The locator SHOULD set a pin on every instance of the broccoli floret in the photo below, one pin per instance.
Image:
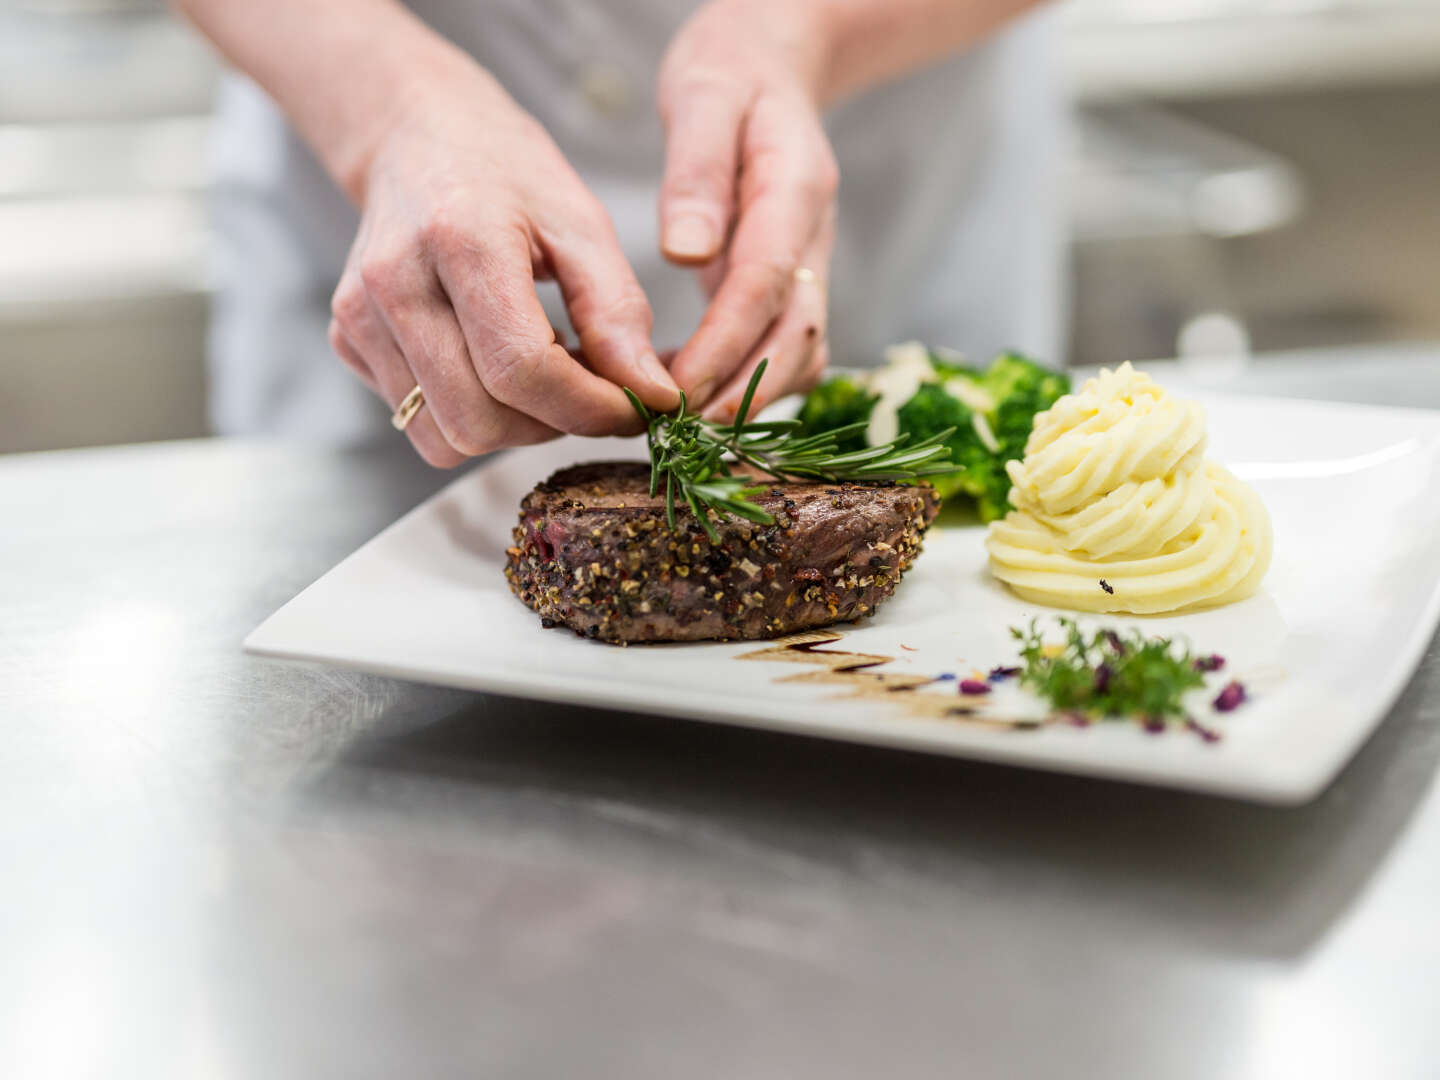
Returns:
(836, 403)
(979, 473)
(931, 410)
(1010, 373)
(1010, 391)
(1021, 388)
(947, 367)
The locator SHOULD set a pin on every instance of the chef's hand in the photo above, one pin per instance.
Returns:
(749, 196)
(466, 203)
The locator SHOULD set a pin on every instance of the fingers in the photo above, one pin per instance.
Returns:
(392, 321)
(712, 275)
(384, 371)
(815, 370)
(607, 306)
(702, 131)
(794, 348)
(787, 195)
(512, 346)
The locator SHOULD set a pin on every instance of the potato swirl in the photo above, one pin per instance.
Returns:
(1115, 486)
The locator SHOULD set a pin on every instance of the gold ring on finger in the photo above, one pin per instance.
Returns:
(408, 407)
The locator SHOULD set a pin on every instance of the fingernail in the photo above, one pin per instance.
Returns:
(701, 394)
(690, 237)
(650, 364)
(656, 370)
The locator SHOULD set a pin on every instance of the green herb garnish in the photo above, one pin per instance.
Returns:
(692, 459)
(1109, 673)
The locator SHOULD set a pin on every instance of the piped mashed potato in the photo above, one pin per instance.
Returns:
(1117, 510)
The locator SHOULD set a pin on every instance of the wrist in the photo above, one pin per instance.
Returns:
(798, 35)
(848, 35)
(419, 83)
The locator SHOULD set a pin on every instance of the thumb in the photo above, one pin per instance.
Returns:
(697, 195)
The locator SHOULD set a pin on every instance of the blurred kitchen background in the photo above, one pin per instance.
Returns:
(1246, 175)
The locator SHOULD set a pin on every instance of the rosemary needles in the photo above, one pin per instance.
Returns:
(692, 460)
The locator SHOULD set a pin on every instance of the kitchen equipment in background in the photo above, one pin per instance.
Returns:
(1153, 196)
(1344, 93)
(1185, 50)
(103, 176)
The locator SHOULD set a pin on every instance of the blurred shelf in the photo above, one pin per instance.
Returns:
(1115, 49)
(120, 157)
(65, 254)
(100, 61)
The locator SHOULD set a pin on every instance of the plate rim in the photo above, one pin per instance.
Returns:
(1245, 781)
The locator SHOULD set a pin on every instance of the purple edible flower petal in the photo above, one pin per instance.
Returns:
(1153, 725)
(1115, 643)
(945, 676)
(1207, 664)
(1102, 678)
(974, 686)
(998, 674)
(1209, 735)
(1232, 697)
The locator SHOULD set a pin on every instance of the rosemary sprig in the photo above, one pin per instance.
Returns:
(691, 459)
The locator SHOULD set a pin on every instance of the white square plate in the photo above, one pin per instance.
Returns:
(1346, 612)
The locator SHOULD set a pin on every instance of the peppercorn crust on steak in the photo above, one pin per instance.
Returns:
(592, 552)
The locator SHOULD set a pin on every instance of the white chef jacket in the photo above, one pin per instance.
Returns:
(949, 226)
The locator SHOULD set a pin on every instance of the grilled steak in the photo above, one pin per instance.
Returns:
(592, 552)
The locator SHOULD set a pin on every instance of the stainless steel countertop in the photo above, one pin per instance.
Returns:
(220, 867)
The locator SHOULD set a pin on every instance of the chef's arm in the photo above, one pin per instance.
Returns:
(342, 70)
(464, 200)
(868, 42)
(749, 194)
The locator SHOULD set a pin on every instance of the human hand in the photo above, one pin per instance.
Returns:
(749, 197)
(465, 203)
